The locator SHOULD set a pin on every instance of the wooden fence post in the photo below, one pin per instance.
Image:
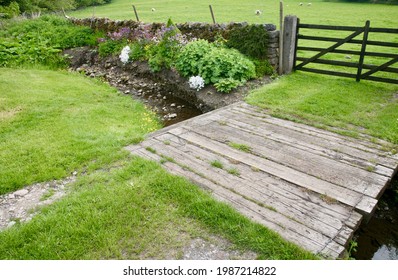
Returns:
(280, 63)
(136, 14)
(212, 14)
(289, 43)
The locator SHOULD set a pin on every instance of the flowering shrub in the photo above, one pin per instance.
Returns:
(124, 56)
(165, 46)
(196, 82)
(225, 68)
(121, 34)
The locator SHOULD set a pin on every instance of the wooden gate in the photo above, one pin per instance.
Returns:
(385, 52)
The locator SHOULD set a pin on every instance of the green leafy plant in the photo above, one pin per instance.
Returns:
(40, 41)
(191, 56)
(110, 47)
(137, 51)
(225, 68)
(164, 53)
(222, 63)
(251, 40)
(9, 11)
(263, 68)
(226, 85)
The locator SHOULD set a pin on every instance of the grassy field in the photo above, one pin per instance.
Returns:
(343, 105)
(320, 12)
(60, 123)
(121, 207)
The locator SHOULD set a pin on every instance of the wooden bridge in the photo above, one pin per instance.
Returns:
(311, 186)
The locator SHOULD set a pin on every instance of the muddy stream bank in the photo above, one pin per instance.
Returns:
(164, 92)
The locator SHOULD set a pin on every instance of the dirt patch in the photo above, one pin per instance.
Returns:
(23, 204)
(215, 248)
(6, 115)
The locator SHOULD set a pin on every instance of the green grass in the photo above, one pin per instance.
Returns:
(233, 171)
(351, 14)
(121, 207)
(365, 107)
(217, 164)
(52, 123)
(240, 147)
(135, 211)
(321, 12)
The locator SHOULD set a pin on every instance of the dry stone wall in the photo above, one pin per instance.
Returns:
(197, 30)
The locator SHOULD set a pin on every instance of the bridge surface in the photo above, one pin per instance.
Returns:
(311, 186)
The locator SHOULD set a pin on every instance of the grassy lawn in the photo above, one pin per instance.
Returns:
(121, 207)
(53, 123)
(347, 106)
(320, 12)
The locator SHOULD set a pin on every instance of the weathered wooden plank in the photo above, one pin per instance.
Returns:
(326, 169)
(295, 195)
(291, 205)
(334, 139)
(329, 248)
(374, 146)
(307, 144)
(287, 228)
(341, 194)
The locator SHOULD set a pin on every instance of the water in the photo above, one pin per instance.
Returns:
(378, 240)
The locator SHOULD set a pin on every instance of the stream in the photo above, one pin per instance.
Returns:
(378, 239)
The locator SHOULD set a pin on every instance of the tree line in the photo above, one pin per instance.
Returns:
(11, 8)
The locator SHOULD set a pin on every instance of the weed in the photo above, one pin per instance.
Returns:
(233, 171)
(167, 158)
(328, 199)
(352, 248)
(217, 164)
(255, 169)
(150, 149)
(370, 168)
(271, 208)
(240, 147)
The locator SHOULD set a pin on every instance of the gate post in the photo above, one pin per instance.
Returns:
(289, 43)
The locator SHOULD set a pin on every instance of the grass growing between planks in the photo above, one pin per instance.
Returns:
(348, 106)
(52, 123)
(135, 211)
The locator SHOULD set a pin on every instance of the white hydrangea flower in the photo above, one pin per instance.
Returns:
(196, 82)
(124, 56)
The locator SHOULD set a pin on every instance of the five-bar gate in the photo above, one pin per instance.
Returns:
(386, 54)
